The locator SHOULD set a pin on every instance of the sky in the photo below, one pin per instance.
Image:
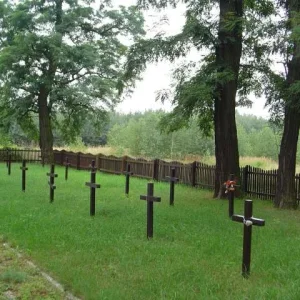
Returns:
(157, 76)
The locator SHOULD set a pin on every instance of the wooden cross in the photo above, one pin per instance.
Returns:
(230, 185)
(67, 164)
(8, 163)
(150, 199)
(127, 174)
(52, 175)
(24, 169)
(93, 186)
(172, 180)
(248, 221)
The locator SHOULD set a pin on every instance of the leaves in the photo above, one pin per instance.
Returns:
(73, 50)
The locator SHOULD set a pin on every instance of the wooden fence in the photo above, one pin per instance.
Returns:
(18, 155)
(254, 181)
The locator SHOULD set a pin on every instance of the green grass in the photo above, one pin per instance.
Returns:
(195, 253)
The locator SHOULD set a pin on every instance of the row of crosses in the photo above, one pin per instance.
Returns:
(230, 185)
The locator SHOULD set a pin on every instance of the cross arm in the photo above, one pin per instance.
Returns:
(52, 175)
(93, 185)
(24, 169)
(174, 179)
(237, 218)
(150, 198)
(257, 222)
(127, 173)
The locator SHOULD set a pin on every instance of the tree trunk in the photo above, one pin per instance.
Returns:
(46, 136)
(286, 190)
(228, 54)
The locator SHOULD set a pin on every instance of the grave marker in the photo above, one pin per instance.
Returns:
(93, 186)
(24, 169)
(172, 180)
(8, 164)
(127, 174)
(52, 175)
(230, 185)
(67, 164)
(248, 221)
(150, 199)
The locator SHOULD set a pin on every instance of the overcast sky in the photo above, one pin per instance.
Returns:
(158, 76)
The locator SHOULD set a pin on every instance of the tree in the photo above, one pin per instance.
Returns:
(210, 92)
(63, 56)
(289, 92)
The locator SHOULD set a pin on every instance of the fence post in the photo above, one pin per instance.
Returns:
(124, 163)
(245, 179)
(78, 161)
(193, 169)
(155, 169)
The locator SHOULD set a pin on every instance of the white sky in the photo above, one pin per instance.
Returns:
(158, 76)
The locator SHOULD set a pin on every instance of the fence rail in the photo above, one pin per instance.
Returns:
(254, 181)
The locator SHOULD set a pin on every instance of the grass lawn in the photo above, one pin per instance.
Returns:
(195, 253)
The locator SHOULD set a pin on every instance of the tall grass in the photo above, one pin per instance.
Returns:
(195, 252)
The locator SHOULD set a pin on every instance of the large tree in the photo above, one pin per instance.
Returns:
(66, 57)
(288, 94)
(209, 87)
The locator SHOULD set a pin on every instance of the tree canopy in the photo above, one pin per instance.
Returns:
(63, 57)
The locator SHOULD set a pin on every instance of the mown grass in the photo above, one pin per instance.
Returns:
(195, 253)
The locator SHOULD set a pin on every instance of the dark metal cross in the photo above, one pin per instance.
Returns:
(8, 164)
(230, 185)
(67, 164)
(52, 175)
(93, 186)
(150, 199)
(172, 180)
(24, 169)
(248, 221)
(127, 174)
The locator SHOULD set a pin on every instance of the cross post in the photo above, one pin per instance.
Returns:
(24, 169)
(230, 185)
(52, 186)
(8, 163)
(172, 180)
(93, 186)
(67, 164)
(150, 199)
(248, 221)
(127, 174)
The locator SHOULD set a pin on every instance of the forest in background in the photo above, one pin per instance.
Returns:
(142, 135)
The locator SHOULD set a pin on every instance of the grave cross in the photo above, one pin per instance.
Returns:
(52, 175)
(150, 199)
(67, 164)
(248, 221)
(230, 185)
(93, 186)
(24, 169)
(8, 164)
(172, 180)
(127, 174)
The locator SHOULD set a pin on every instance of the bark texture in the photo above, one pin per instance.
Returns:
(228, 54)
(286, 190)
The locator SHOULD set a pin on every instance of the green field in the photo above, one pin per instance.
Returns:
(195, 253)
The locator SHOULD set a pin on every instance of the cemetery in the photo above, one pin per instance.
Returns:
(109, 244)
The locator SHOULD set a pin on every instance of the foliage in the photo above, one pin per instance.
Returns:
(143, 135)
(71, 50)
(195, 82)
